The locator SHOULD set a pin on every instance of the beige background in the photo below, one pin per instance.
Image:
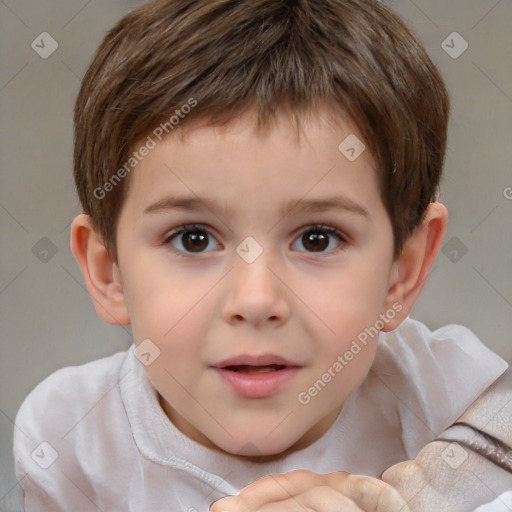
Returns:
(47, 319)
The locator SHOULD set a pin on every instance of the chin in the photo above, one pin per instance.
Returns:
(257, 448)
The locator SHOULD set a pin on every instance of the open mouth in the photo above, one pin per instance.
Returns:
(255, 369)
(256, 377)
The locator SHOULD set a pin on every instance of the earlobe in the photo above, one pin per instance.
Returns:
(411, 270)
(101, 273)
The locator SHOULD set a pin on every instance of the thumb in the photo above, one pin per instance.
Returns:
(408, 478)
(218, 505)
(401, 472)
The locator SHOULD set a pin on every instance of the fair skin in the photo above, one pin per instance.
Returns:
(305, 304)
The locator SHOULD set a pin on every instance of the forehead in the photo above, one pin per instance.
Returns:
(224, 166)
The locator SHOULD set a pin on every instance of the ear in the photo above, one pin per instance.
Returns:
(411, 270)
(100, 271)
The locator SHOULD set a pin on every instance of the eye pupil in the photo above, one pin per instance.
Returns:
(315, 241)
(195, 240)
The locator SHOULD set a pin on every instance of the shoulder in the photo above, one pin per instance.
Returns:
(450, 352)
(432, 376)
(67, 409)
(71, 390)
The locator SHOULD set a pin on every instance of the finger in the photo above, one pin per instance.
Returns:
(254, 496)
(270, 489)
(371, 494)
(318, 499)
(401, 472)
(220, 505)
(325, 499)
(408, 478)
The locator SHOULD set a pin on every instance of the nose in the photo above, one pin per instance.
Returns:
(256, 294)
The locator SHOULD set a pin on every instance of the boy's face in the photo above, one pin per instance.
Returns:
(206, 295)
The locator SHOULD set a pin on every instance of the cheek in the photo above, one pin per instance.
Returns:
(343, 312)
(177, 325)
(161, 303)
(345, 302)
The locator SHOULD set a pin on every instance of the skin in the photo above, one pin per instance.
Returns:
(304, 305)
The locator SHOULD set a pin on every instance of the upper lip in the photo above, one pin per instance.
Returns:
(261, 360)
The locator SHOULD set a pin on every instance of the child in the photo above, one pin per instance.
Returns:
(258, 180)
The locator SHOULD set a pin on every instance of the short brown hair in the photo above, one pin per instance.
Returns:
(355, 55)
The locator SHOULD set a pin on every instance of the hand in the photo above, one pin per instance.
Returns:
(448, 477)
(416, 484)
(433, 482)
(300, 491)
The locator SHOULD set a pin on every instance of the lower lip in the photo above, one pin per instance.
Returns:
(257, 385)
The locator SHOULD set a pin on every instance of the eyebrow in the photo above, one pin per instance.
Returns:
(297, 206)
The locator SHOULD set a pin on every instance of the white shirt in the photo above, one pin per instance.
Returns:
(94, 437)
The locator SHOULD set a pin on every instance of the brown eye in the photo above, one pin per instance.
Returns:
(194, 241)
(319, 238)
(315, 241)
(190, 240)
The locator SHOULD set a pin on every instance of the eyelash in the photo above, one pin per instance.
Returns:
(330, 229)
